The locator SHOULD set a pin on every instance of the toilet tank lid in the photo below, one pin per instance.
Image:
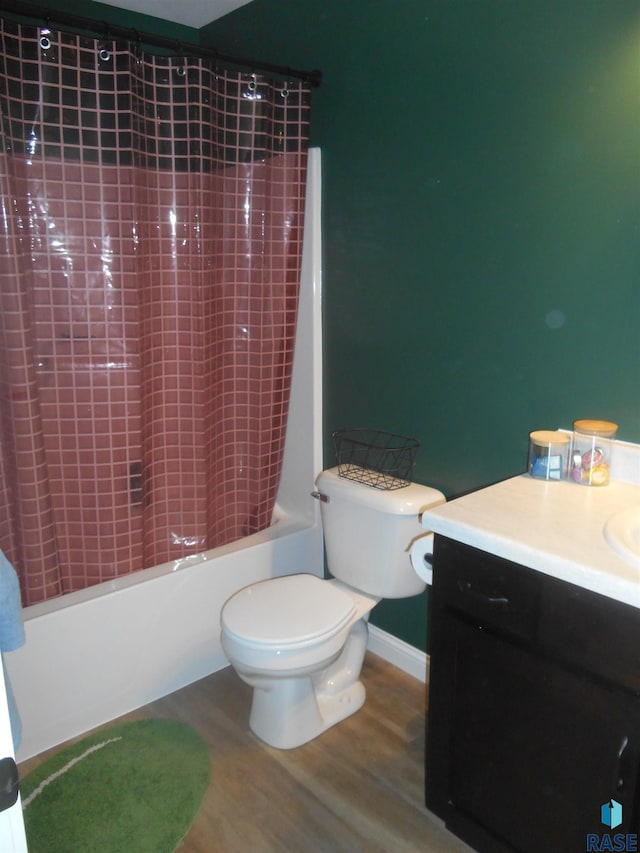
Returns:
(294, 610)
(409, 500)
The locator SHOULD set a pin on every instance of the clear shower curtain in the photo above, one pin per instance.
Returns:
(151, 241)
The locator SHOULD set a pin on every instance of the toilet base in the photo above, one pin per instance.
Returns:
(310, 715)
(292, 711)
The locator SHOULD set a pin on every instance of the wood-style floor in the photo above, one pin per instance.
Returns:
(358, 787)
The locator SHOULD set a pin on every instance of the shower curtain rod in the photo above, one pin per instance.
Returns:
(109, 31)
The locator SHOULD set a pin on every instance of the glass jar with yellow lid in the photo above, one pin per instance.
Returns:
(591, 451)
(548, 454)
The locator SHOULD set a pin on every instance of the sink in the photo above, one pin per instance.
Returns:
(622, 533)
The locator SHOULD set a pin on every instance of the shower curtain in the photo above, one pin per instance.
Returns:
(151, 241)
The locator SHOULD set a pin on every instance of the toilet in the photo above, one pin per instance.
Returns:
(299, 641)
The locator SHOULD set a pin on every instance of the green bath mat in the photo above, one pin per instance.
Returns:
(133, 788)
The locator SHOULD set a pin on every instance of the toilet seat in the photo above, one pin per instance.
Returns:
(290, 612)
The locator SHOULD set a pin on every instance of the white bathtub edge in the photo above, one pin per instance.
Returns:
(86, 665)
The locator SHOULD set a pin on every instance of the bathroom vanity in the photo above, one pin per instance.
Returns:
(534, 687)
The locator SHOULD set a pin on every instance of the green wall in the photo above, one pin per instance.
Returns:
(481, 198)
(481, 164)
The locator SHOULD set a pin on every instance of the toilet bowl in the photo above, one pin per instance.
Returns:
(299, 641)
(303, 661)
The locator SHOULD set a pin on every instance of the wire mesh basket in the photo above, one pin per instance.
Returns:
(376, 458)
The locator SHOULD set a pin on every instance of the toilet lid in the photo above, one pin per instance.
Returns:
(295, 610)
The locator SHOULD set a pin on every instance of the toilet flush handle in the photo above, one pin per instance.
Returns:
(320, 497)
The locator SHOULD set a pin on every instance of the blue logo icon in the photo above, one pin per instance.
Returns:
(611, 814)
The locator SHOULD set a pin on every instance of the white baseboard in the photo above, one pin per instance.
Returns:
(397, 652)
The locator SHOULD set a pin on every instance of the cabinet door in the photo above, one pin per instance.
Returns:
(529, 750)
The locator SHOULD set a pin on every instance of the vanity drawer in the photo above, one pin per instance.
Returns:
(591, 632)
(490, 591)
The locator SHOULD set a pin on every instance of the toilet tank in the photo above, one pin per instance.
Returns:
(368, 533)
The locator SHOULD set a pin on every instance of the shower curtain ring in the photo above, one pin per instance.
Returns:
(45, 41)
(180, 70)
(103, 51)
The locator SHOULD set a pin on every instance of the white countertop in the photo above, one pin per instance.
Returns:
(552, 527)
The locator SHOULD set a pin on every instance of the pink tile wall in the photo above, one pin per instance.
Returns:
(148, 314)
(86, 329)
(162, 362)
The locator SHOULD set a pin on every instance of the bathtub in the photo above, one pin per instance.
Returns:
(93, 655)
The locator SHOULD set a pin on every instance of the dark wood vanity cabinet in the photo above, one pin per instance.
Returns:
(534, 706)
